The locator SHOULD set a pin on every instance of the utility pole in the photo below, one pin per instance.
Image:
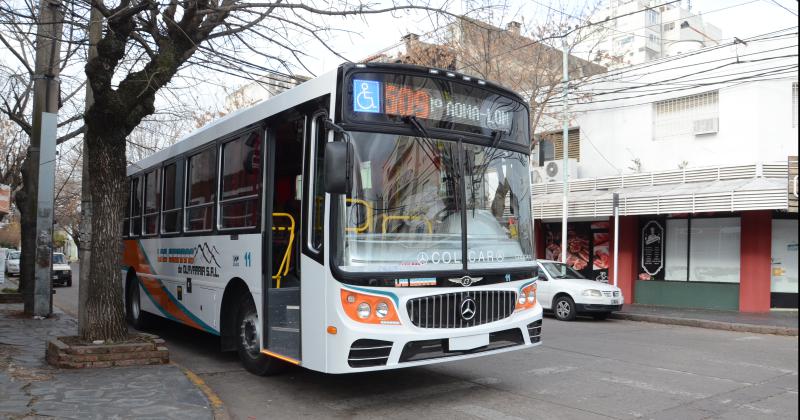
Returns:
(565, 144)
(85, 251)
(42, 151)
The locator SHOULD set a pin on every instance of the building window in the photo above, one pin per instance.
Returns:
(652, 17)
(623, 42)
(702, 250)
(241, 182)
(152, 201)
(669, 26)
(686, 117)
(794, 104)
(173, 197)
(555, 149)
(201, 190)
(783, 287)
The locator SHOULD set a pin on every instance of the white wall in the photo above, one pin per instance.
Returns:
(755, 118)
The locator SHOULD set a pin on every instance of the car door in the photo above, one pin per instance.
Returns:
(544, 288)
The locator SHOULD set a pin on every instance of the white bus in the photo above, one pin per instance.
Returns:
(375, 217)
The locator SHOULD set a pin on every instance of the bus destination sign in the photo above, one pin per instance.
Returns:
(378, 97)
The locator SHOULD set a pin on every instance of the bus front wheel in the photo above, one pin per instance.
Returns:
(249, 341)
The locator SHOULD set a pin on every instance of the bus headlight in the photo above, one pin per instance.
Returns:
(527, 297)
(369, 308)
(381, 309)
(364, 310)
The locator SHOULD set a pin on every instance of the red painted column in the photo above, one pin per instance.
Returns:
(538, 238)
(628, 254)
(756, 261)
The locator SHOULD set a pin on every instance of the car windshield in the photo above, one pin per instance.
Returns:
(13, 256)
(59, 259)
(404, 212)
(561, 271)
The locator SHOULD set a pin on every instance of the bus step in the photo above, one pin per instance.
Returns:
(286, 329)
(293, 315)
(285, 341)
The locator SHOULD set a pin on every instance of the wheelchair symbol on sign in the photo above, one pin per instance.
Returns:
(367, 94)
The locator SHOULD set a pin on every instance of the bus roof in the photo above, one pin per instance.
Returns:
(314, 88)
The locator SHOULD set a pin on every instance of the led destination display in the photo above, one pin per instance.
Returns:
(436, 103)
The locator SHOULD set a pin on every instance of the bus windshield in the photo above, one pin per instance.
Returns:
(409, 194)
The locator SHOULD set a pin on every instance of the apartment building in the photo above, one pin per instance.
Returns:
(696, 148)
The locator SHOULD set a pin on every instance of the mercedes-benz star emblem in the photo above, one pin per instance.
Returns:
(465, 281)
(468, 307)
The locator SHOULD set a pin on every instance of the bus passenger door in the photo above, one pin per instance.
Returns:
(282, 235)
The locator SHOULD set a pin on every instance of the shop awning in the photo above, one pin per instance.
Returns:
(757, 193)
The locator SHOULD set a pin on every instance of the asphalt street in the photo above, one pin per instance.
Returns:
(583, 370)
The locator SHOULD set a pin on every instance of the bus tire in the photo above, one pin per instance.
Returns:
(248, 341)
(564, 308)
(138, 318)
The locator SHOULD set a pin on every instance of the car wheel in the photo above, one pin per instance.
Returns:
(136, 316)
(564, 308)
(249, 341)
(69, 282)
(601, 316)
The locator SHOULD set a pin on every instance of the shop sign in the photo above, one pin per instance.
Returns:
(652, 261)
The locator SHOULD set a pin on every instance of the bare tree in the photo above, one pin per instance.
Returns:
(528, 60)
(144, 46)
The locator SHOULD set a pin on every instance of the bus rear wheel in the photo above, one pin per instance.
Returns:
(249, 341)
(136, 316)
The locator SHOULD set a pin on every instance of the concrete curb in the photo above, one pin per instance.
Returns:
(220, 413)
(703, 323)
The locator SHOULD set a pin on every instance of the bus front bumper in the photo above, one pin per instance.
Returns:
(363, 347)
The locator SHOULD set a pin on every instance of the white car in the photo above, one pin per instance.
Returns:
(62, 272)
(567, 294)
(12, 263)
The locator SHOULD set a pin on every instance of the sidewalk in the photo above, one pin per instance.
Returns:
(30, 388)
(780, 323)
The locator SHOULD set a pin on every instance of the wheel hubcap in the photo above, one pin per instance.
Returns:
(563, 309)
(248, 334)
(135, 302)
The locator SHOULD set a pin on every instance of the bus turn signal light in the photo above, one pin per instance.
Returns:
(332, 330)
(369, 309)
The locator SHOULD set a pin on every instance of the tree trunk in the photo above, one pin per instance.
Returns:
(105, 313)
(26, 202)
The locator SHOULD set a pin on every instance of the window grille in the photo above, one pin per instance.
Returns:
(556, 139)
(687, 116)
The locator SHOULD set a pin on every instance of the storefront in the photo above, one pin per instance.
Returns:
(745, 260)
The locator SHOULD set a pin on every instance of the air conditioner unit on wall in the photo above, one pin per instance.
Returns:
(705, 126)
(553, 171)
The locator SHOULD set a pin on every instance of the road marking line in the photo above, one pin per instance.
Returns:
(410, 394)
(484, 412)
(551, 370)
(650, 387)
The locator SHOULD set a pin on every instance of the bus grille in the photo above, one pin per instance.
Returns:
(445, 311)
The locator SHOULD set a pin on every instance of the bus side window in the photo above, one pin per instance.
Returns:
(152, 202)
(136, 206)
(126, 221)
(201, 190)
(173, 197)
(316, 203)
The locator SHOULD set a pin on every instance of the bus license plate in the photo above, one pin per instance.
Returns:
(615, 301)
(468, 343)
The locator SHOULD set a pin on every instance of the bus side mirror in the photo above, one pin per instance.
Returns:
(338, 159)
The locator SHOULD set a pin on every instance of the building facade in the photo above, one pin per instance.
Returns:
(643, 30)
(696, 149)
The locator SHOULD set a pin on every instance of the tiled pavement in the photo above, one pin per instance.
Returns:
(29, 388)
